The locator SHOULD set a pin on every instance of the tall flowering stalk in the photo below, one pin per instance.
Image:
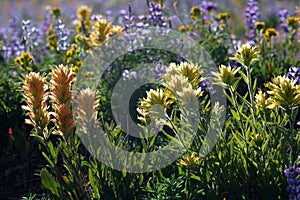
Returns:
(283, 14)
(61, 97)
(86, 110)
(252, 16)
(36, 96)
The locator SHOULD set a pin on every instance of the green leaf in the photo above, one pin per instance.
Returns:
(91, 178)
(193, 176)
(244, 77)
(48, 159)
(141, 179)
(235, 114)
(49, 182)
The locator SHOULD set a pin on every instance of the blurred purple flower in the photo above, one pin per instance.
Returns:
(154, 18)
(156, 15)
(206, 7)
(62, 36)
(159, 68)
(294, 74)
(283, 14)
(12, 45)
(292, 173)
(31, 37)
(252, 16)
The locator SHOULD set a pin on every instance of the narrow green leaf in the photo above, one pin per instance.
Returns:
(244, 77)
(235, 114)
(193, 176)
(48, 159)
(49, 182)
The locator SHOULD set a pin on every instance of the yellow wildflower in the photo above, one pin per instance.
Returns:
(283, 92)
(292, 22)
(270, 33)
(84, 13)
(226, 76)
(190, 161)
(261, 100)
(246, 55)
(36, 97)
(259, 26)
(223, 16)
(24, 61)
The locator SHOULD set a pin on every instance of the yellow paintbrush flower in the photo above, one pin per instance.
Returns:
(261, 100)
(149, 105)
(84, 13)
(293, 22)
(63, 120)
(283, 92)
(223, 17)
(36, 96)
(246, 55)
(259, 26)
(188, 70)
(190, 161)
(226, 76)
(61, 81)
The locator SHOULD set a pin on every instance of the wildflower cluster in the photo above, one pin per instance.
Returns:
(250, 138)
(25, 61)
(181, 83)
(37, 94)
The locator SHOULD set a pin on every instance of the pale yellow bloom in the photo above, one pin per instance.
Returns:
(246, 55)
(189, 160)
(226, 77)
(283, 92)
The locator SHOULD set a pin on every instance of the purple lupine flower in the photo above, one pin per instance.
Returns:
(292, 173)
(252, 16)
(294, 74)
(62, 36)
(159, 68)
(12, 45)
(156, 15)
(30, 35)
(283, 14)
(129, 22)
(235, 44)
(155, 18)
(206, 7)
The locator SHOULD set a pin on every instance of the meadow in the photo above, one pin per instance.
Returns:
(161, 99)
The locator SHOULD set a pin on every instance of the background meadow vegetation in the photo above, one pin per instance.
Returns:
(254, 44)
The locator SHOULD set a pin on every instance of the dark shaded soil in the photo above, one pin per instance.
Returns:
(19, 176)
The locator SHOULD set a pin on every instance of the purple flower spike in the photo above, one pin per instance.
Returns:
(252, 16)
(62, 36)
(159, 68)
(292, 174)
(294, 74)
(206, 7)
(283, 14)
